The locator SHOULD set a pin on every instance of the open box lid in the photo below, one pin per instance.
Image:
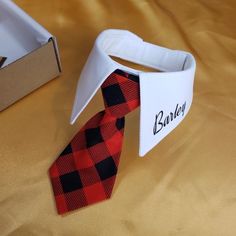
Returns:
(19, 33)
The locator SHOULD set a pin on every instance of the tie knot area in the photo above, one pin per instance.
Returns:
(121, 93)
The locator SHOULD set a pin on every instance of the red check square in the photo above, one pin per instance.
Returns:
(94, 193)
(83, 159)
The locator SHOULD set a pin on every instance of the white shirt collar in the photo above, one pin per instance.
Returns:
(128, 46)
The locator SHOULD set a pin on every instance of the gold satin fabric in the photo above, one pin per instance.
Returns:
(186, 185)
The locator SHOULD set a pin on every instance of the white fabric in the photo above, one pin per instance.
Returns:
(158, 90)
(19, 33)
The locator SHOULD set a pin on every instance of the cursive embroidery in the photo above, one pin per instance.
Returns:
(161, 123)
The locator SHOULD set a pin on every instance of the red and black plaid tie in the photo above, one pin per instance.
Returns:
(85, 171)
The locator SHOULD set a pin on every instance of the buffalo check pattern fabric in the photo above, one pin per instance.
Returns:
(85, 171)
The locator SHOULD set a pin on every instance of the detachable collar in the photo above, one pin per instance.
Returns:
(123, 44)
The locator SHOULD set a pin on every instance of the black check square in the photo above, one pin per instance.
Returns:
(113, 95)
(106, 168)
(120, 123)
(67, 150)
(71, 182)
(93, 136)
